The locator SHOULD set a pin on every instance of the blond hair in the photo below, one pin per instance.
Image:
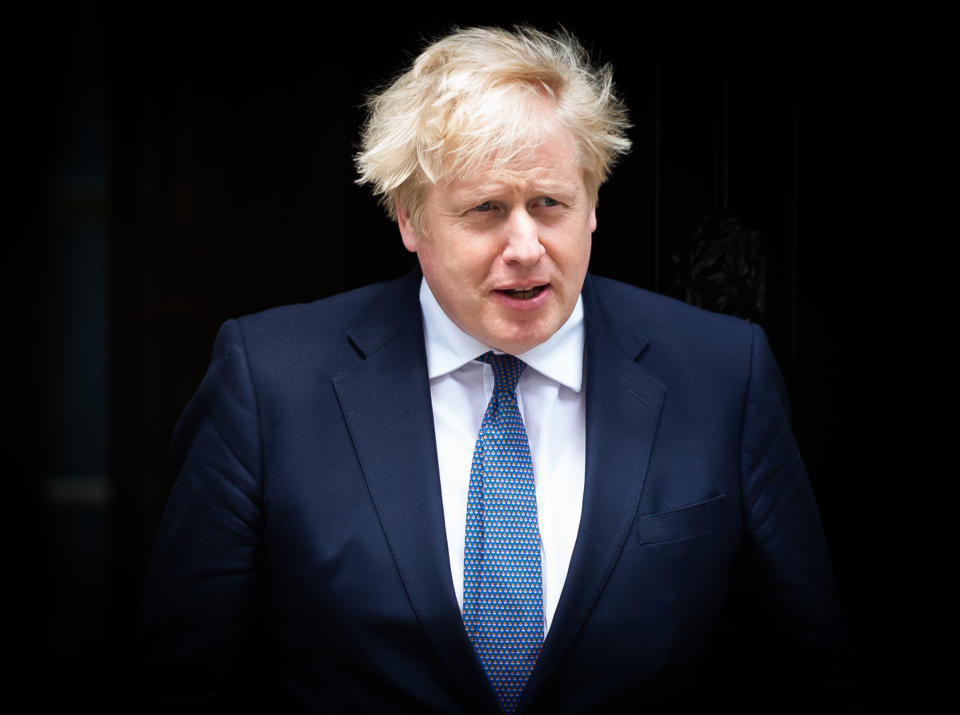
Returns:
(478, 96)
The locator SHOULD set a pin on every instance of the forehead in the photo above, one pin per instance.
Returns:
(552, 160)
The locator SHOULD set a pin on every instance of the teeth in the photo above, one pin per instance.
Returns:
(524, 294)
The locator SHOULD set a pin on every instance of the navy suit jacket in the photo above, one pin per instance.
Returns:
(303, 548)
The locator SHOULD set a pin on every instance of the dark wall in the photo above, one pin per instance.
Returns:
(194, 167)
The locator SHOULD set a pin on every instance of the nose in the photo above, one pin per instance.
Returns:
(523, 238)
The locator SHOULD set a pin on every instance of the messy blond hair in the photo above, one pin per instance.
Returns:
(483, 95)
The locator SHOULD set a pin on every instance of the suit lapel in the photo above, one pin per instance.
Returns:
(385, 400)
(623, 410)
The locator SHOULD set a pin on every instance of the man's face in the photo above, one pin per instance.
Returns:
(505, 251)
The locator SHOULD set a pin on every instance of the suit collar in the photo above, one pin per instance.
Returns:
(607, 328)
(391, 311)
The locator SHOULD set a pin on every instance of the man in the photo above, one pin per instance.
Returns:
(505, 485)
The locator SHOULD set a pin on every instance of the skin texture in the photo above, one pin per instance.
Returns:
(497, 231)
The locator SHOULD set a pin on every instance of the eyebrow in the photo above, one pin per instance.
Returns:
(493, 188)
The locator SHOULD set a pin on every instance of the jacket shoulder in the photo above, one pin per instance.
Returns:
(664, 320)
(318, 333)
(335, 312)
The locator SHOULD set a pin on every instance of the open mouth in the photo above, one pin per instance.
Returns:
(525, 294)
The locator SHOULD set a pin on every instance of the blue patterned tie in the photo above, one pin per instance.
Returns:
(502, 587)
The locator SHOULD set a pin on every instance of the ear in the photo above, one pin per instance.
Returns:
(593, 219)
(411, 237)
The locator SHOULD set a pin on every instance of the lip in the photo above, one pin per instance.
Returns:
(522, 304)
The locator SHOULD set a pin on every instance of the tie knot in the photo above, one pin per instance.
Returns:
(506, 371)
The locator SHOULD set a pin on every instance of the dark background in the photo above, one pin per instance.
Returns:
(172, 168)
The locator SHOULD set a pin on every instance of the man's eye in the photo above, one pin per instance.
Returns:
(485, 206)
(546, 201)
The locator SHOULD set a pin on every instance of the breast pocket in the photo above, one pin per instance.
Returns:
(683, 523)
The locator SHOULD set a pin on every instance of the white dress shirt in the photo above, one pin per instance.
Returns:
(551, 399)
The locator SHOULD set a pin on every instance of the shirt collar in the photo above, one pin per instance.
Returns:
(448, 348)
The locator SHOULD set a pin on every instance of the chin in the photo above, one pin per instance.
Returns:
(519, 343)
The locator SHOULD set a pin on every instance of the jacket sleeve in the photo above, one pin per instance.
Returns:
(790, 582)
(197, 624)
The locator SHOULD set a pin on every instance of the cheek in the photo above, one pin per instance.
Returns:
(571, 247)
(468, 265)
(427, 263)
(452, 278)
